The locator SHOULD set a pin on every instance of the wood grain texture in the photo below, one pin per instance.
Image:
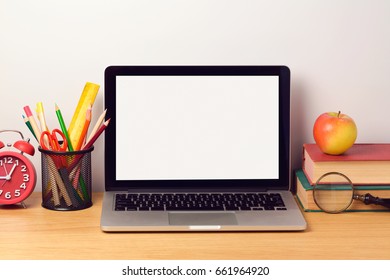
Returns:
(38, 233)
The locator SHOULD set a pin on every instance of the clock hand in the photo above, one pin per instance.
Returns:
(12, 170)
(5, 169)
(6, 177)
(4, 183)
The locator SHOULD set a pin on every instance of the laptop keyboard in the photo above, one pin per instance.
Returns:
(199, 202)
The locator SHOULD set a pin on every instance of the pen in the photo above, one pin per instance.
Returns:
(63, 127)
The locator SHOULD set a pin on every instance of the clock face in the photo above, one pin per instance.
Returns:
(17, 177)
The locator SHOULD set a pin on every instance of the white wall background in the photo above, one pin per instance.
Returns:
(338, 52)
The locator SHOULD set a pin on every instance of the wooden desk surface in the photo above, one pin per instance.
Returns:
(38, 233)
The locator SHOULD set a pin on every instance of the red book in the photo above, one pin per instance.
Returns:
(363, 164)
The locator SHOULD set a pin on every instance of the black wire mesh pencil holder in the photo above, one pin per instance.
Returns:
(66, 179)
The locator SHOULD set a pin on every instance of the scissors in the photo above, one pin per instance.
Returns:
(51, 142)
(56, 141)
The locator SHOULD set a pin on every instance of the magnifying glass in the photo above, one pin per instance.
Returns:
(334, 193)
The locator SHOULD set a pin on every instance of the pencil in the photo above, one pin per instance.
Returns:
(96, 135)
(52, 181)
(33, 123)
(89, 144)
(63, 127)
(97, 125)
(60, 183)
(79, 143)
(27, 122)
(85, 128)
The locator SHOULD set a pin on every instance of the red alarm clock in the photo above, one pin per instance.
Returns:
(17, 174)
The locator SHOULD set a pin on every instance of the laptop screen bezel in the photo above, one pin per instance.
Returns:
(282, 183)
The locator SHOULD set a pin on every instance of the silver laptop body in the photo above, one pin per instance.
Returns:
(206, 133)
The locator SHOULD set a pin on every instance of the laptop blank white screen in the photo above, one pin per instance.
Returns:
(197, 127)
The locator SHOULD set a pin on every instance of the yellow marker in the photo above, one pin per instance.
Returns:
(41, 116)
(77, 123)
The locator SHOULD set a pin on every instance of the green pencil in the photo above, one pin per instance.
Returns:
(70, 147)
(63, 128)
(27, 122)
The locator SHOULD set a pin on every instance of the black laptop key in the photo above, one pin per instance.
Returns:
(245, 208)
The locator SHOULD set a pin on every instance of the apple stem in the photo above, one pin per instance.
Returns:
(338, 115)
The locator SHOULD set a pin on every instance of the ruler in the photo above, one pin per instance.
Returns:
(76, 125)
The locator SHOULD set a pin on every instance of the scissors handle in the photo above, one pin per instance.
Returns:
(45, 140)
(61, 144)
(50, 141)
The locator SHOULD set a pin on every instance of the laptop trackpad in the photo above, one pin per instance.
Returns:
(179, 218)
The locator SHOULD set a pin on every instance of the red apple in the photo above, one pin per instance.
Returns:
(334, 133)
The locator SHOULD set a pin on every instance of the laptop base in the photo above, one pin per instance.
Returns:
(161, 221)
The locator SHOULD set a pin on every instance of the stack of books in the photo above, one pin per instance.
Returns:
(366, 165)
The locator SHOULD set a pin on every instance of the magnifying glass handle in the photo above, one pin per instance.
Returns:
(369, 199)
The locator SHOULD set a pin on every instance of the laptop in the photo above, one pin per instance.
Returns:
(198, 148)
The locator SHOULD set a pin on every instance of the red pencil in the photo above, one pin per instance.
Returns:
(97, 134)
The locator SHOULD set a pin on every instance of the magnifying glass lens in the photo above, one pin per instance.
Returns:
(333, 192)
